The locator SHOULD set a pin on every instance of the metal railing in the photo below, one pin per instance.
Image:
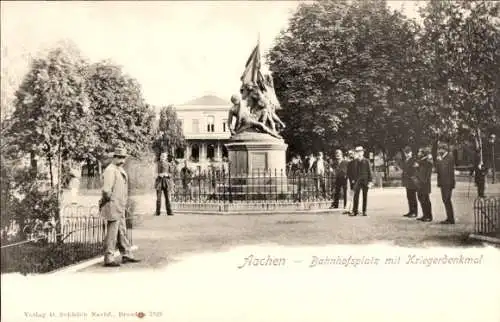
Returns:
(227, 187)
(51, 245)
(487, 216)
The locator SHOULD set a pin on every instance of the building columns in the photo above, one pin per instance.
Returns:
(218, 151)
(187, 152)
(203, 151)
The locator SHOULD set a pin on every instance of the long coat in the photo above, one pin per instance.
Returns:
(409, 171)
(446, 172)
(115, 190)
(422, 178)
(362, 172)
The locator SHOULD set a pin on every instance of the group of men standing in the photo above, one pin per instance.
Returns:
(351, 176)
(417, 172)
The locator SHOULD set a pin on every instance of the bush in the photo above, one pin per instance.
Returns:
(25, 197)
(43, 258)
(141, 174)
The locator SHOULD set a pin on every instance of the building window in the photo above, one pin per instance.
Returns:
(210, 151)
(179, 153)
(224, 126)
(195, 153)
(196, 126)
(210, 124)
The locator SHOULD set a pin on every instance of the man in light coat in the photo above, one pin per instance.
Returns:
(112, 207)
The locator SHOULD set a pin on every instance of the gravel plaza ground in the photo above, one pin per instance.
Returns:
(163, 240)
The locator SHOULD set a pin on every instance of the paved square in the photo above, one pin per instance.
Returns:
(162, 240)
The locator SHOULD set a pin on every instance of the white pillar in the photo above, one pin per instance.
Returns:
(203, 151)
(187, 152)
(218, 152)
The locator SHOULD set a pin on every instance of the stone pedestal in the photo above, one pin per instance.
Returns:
(257, 166)
(252, 153)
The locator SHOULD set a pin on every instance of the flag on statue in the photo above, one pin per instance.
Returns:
(253, 76)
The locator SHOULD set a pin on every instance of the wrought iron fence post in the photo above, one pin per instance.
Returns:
(230, 185)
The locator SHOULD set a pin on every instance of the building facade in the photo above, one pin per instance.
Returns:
(205, 128)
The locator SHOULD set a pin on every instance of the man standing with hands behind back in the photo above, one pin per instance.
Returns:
(362, 180)
(112, 207)
(446, 180)
(411, 189)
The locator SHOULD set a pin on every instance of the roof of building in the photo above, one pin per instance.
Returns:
(207, 100)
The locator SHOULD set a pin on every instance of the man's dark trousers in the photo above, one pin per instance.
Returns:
(162, 187)
(357, 188)
(340, 186)
(446, 192)
(480, 183)
(411, 195)
(425, 203)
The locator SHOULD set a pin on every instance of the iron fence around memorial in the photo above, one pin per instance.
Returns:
(227, 187)
(48, 246)
(487, 216)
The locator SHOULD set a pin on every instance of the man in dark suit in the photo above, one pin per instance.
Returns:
(422, 180)
(479, 172)
(411, 190)
(446, 180)
(350, 179)
(362, 180)
(340, 169)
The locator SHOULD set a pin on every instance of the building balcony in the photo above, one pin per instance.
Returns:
(207, 136)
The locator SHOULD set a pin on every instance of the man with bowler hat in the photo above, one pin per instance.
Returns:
(446, 180)
(362, 180)
(113, 207)
(422, 180)
(411, 189)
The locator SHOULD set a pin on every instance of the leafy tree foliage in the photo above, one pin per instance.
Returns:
(355, 72)
(169, 134)
(120, 117)
(50, 107)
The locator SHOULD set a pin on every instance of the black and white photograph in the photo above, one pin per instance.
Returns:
(323, 160)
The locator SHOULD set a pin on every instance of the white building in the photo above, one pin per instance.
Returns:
(204, 123)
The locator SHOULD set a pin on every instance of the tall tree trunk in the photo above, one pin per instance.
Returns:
(51, 173)
(59, 191)
(386, 164)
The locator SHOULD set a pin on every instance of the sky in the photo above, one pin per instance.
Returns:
(176, 50)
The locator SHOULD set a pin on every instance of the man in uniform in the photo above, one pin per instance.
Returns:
(411, 189)
(445, 169)
(113, 207)
(164, 183)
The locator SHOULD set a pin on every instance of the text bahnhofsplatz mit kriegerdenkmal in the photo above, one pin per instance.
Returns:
(355, 261)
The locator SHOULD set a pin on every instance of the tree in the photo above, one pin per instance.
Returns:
(461, 41)
(169, 134)
(120, 117)
(50, 118)
(340, 74)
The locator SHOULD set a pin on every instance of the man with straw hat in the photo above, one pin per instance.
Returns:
(112, 207)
